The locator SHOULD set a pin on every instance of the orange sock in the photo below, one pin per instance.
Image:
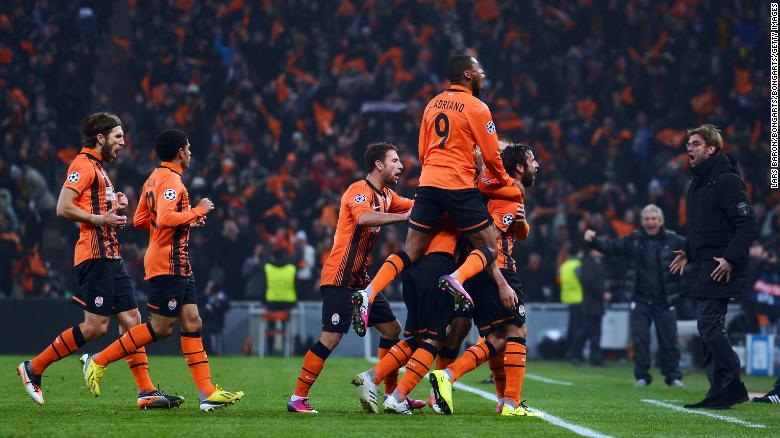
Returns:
(496, 364)
(133, 339)
(65, 344)
(475, 263)
(445, 358)
(395, 358)
(139, 366)
(313, 363)
(514, 364)
(198, 362)
(471, 359)
(418, 365)
(391, 268)
(391, 379)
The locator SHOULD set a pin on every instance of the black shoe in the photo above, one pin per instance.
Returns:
(702, 404)
(772, 396)
(732, 394)
(158, 399)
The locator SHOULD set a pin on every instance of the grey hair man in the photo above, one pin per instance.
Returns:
(653, 291)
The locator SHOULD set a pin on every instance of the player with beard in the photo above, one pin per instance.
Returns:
(164, 211)
(366, 206)
(499, 311)
(453, 122)
(105, 288)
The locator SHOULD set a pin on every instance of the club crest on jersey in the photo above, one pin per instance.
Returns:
(521, 310)
(508, 218)
(491, 127)
(98, 301)
(359, 198)
(169, 194)
(171, 304)
(335, 318)
(73, 177)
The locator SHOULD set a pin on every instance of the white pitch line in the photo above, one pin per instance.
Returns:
(552, 419)
(705, 413)
(539, 378)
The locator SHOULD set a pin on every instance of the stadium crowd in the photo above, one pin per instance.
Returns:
(280, 99)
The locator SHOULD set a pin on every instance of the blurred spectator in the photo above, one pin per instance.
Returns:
(304, 277)
(213, 306)
(572, 294)
(254, 275)
(279, 273)
(592, 277)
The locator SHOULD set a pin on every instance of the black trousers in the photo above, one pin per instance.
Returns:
(720, 361)
(582, 328)
(642, 314)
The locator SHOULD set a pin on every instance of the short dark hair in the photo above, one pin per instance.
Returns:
(377, 152)
(514, 154)
(97, 123)
(168, 143)
(457, 66)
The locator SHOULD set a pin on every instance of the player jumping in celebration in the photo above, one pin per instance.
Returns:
(498, 306)
(453, 122)
(105, 288)
(164, 210)
(366, 206)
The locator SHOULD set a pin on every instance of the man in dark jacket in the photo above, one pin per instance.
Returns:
(653, 291)
(721, 227)
(592, 277)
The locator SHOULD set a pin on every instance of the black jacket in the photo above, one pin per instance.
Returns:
(592, 278)
(720, 223)
(635, 247)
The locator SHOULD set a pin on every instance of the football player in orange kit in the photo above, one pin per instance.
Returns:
(453, 123)
(500, 317)
(164, 210)
(366, 206)
(105, 288)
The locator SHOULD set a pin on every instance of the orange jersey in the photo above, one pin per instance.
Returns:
(347, 262)
(453, 123)
(504, 212)
(445, 239)
(96, 196)
(164, 210)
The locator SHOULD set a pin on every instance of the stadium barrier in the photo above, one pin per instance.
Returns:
(35, 321)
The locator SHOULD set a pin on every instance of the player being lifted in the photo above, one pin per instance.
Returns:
(164, 210)
(105, 288)
(453, 123)
(366, 206)
(500, 316)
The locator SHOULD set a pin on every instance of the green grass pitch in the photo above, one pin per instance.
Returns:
(602, 400)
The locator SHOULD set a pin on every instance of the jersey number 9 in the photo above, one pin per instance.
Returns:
(443, 132)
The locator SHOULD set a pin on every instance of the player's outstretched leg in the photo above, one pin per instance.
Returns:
(393, 266)
(31, 371)
(476, 262)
